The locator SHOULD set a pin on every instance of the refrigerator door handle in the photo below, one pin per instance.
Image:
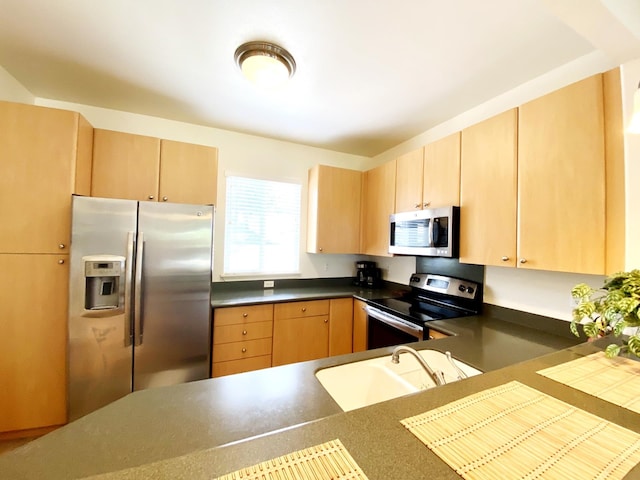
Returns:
(137, 309)
(128, 283)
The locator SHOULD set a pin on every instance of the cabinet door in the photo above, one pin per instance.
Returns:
(39, 150)
(378, 203)
(188, 173)
(340, 326)
(441, 186)
(359, 326)
(333, 224)
(409, 171)
(561, 180)
(488, 196)
(300, 339)
(33, 341)
(125, 166)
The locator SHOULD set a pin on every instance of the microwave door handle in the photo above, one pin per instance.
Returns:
(430, 233)
(435, 232)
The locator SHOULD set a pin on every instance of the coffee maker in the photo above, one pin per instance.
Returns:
(367, 274)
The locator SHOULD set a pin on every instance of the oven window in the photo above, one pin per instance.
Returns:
(382, 335)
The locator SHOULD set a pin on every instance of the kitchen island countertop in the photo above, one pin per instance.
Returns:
(207, 428)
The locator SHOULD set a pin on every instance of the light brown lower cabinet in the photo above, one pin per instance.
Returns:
(33, 341)
(359, 326)
(241, 339)
(300, 331)
(260, 336)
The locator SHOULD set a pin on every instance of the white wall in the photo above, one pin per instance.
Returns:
(242, 155)
(13, 91)
(541, 292)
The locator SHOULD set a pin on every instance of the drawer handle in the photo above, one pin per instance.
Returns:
(326, 320)
(304, 309)
(245, 315)
(244, 332)
(244, 350)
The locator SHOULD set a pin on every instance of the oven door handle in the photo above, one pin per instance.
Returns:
(395, 322)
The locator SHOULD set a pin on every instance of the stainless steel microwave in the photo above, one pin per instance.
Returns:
(432, 232)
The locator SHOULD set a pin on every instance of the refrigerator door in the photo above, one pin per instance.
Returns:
(100, 351)
(173, 330)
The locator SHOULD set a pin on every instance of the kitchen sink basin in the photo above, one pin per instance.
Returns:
(358, 384)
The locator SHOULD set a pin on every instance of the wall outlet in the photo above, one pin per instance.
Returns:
(268, 284)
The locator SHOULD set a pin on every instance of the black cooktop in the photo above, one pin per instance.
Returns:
(418, 311)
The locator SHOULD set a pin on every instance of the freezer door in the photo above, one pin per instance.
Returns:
(100, 352)
(173, 329)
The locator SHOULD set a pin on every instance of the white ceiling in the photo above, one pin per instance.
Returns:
(370, 74)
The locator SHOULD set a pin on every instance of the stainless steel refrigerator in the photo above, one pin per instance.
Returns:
(139, 301)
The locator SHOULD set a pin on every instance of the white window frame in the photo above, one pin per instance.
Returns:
(252, 226)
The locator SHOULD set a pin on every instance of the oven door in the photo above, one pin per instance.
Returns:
(386, 330)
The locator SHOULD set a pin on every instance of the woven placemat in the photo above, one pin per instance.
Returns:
(616, 380)
(515, 431)
(328, 461)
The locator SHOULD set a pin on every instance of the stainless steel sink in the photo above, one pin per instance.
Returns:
(358, 384)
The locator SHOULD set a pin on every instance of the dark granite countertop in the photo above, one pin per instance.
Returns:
(210, 427)
(223, 295)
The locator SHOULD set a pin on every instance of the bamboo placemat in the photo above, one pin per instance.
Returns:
(616, 380)
(328, 461)
(515, 431)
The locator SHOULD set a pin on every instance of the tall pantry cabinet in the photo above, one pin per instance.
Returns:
(45, 156)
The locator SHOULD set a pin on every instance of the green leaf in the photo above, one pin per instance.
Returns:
(574, 328)
(619, 327)
(612, 350)
(591, 329)
(634, 345)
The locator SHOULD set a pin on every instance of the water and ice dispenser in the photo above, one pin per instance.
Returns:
(104, 283)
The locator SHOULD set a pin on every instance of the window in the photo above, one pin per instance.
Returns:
(262, 231)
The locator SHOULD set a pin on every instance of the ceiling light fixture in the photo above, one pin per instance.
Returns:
(634, 125)
(265, 64)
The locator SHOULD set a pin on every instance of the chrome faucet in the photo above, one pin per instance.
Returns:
(437, 377)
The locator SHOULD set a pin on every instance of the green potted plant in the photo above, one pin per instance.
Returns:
(609, 310)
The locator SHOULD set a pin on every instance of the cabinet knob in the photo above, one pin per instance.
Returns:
(61, 246)
(320, 249)
(326, 320)
(60, 261)
(165, 198)
(151, 197)
(417, 205)
(505, 259)
(244, 350)
(523, 260)
(304, 309)
(426, 204)
(245, 315)
(244, 332)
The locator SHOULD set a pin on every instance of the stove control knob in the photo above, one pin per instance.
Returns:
(470, 290)
(462, 288)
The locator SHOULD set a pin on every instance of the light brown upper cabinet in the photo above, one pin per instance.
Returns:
(378, 202)
(409, 180)
(138, 167)
(45, 154)
(125, 165)
(430, 176)
(188, 173)
(441, 175)
(488, 191)
(561, 180)
(333, 224)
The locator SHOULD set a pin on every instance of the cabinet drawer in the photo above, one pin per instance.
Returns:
(238, 350)
(242, 332)
(301, 309)
(238, 366)
(241, 315)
